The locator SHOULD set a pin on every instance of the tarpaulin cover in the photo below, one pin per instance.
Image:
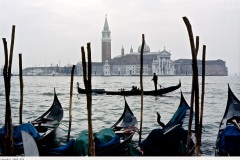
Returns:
(157, 144)
(101, 146)
(177, 117)
(229, 143)
(81, 143)
(65, 150)
(17, 135)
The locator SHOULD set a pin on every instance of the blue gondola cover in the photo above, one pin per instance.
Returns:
(17, 136)
(230, 141)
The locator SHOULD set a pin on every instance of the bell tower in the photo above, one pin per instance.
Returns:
(106, 42)
(122, 51)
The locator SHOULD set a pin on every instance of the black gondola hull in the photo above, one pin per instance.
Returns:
(158, 92)
(228, 138)
(171, 140)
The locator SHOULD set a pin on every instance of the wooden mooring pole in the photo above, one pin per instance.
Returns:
(70, 104)
(8, 147)
(21, 88)
(195, 89)
(203, 91)
(88, 86)
(141, 85)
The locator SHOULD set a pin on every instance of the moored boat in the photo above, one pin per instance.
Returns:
(125, 128)
(228, 138)
(112, 141)
(48, 122)
(171, 140)
(42, 129)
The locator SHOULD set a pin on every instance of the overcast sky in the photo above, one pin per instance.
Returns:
(53, 31)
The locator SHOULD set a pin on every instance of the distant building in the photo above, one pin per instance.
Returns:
(106, 69)
(97, 68)
(128, 64)
(153, 62)
(53, 70)
(212, 67)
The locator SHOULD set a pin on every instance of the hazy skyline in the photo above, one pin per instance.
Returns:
(49, 32)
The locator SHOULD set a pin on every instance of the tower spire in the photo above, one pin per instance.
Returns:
(106, 32)
(122, 51)
(106, 42)
(106, 27)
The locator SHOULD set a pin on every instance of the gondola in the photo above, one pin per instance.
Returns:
(159, 92)
(125, 128)
(228, 138)
(119, 136)
(42, 129)
(94, 91)
(171, 140)
(123, 92)
(47, 123)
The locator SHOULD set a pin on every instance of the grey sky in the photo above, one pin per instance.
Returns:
(53, 31)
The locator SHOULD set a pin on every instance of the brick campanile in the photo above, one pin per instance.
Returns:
(106, 42)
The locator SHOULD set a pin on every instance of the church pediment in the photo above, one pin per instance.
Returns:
(164, 53)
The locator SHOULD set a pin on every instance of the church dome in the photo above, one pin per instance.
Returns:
(146, 48)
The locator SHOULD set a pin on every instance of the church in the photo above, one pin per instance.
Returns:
(153, 62)
(128, 63)
(159, 62)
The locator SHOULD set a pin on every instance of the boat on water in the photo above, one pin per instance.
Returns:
(112, 141)
(170, 140)
(124, 92)
(42, 129)
(94, 91)
(228, 138)
(124, 128)
(48, 122)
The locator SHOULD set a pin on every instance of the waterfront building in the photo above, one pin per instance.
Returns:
(153, 62)
(212, 67)
(128, 64)
(52, 70)
(97, 68)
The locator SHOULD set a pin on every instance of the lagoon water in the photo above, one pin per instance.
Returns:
(106, 109)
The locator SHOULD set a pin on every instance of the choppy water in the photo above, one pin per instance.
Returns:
(106, 109)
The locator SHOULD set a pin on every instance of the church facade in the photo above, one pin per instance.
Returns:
(153, 62)
(128, 63)
(159, 62)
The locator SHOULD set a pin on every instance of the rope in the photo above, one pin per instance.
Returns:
(131, 129)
